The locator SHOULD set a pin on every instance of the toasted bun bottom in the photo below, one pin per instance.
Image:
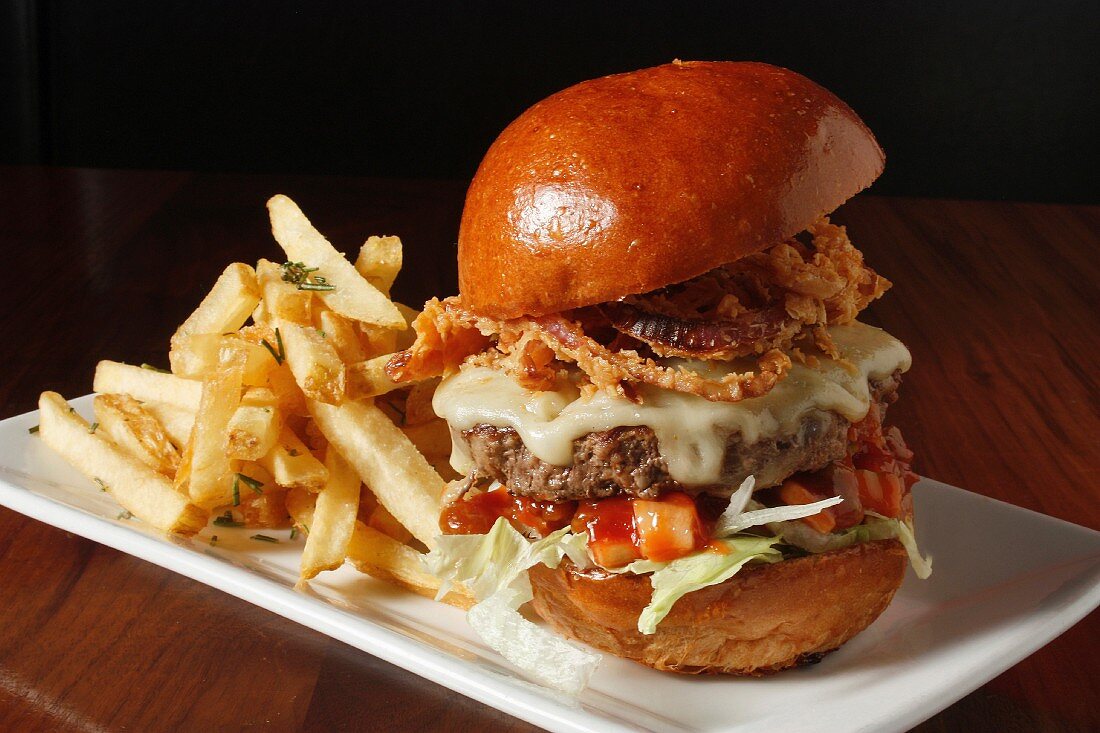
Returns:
(764, 619)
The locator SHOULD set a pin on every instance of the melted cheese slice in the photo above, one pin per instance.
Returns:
(691, 431)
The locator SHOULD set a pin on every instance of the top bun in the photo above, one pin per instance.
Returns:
(631, 182)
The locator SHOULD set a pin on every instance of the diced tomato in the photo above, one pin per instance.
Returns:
(896, 445)
(612, 536)
(835, 480)
(882, 460)
(668, 528)
(621, 530)
(880, 492)
(794, 492)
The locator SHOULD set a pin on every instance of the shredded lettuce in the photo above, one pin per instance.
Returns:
(798, 534)
(735, 519)
(922, 565)
(494, 568)
(742, 520)
(545, 656)
(738, 501)
(680, 577)
(489, 562)
(876, 527)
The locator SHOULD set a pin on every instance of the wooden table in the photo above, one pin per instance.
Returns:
(997, 301)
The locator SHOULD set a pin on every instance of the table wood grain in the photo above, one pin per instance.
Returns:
(997, 301)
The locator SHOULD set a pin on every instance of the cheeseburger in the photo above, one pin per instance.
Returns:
(660, 394)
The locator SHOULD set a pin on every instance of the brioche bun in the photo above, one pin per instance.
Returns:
(628, 183)
(764, 619)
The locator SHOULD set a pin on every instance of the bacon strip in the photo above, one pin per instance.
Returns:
(610, 369)
(702, 338)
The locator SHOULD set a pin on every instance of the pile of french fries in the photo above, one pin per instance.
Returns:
(277, 413)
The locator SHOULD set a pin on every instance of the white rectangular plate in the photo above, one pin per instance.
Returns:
(1006, 582)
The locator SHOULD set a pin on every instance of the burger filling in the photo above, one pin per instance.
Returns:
(628, 460)
(631, 436)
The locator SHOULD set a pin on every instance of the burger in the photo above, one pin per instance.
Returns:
(670, 421)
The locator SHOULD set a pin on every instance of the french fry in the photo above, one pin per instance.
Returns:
(292, 464)
(314, 362)
(443, 467)
(407, 335)
(369, 379)
(291, 401)
(300, 504)
(283, 300)
(265, 511)
(225, 308)
(377, 340)
(260, 314)
(146, 385)
(340, 332)
(383, 557)
(407, 312)
(351, 295)
(137, 431)
(418, 405)
(140, 490)
(176, 421)
(253, 431)
(260, 397)
(262, 502)
(208, 470)
(379, 261)
(202, 357)
(432, 439)
(333, 518)
(384, 522)
(386, 461)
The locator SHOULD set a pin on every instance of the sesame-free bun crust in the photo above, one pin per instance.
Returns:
(628, 183)
(764, 619)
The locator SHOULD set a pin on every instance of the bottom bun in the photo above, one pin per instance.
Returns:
(764, 619)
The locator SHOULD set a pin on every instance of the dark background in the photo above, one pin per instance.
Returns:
(969, 99)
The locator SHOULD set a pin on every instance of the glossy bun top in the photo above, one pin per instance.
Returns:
(627, 183)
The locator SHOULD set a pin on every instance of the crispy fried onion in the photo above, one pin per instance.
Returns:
(533, 351)
(766, 305)
(772, 299)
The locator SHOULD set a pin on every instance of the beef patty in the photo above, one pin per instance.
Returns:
(627, 461)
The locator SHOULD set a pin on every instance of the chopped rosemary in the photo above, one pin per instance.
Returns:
(298, 274)
(152, 368)
(93, 427)
(236, 489)
(293, 533)
(264, 538)
(280, 355)
(98, 480)
(317, 286)
(125, 514)
(226, 520)
(33, 430)
(213, 540)
(251, 482)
